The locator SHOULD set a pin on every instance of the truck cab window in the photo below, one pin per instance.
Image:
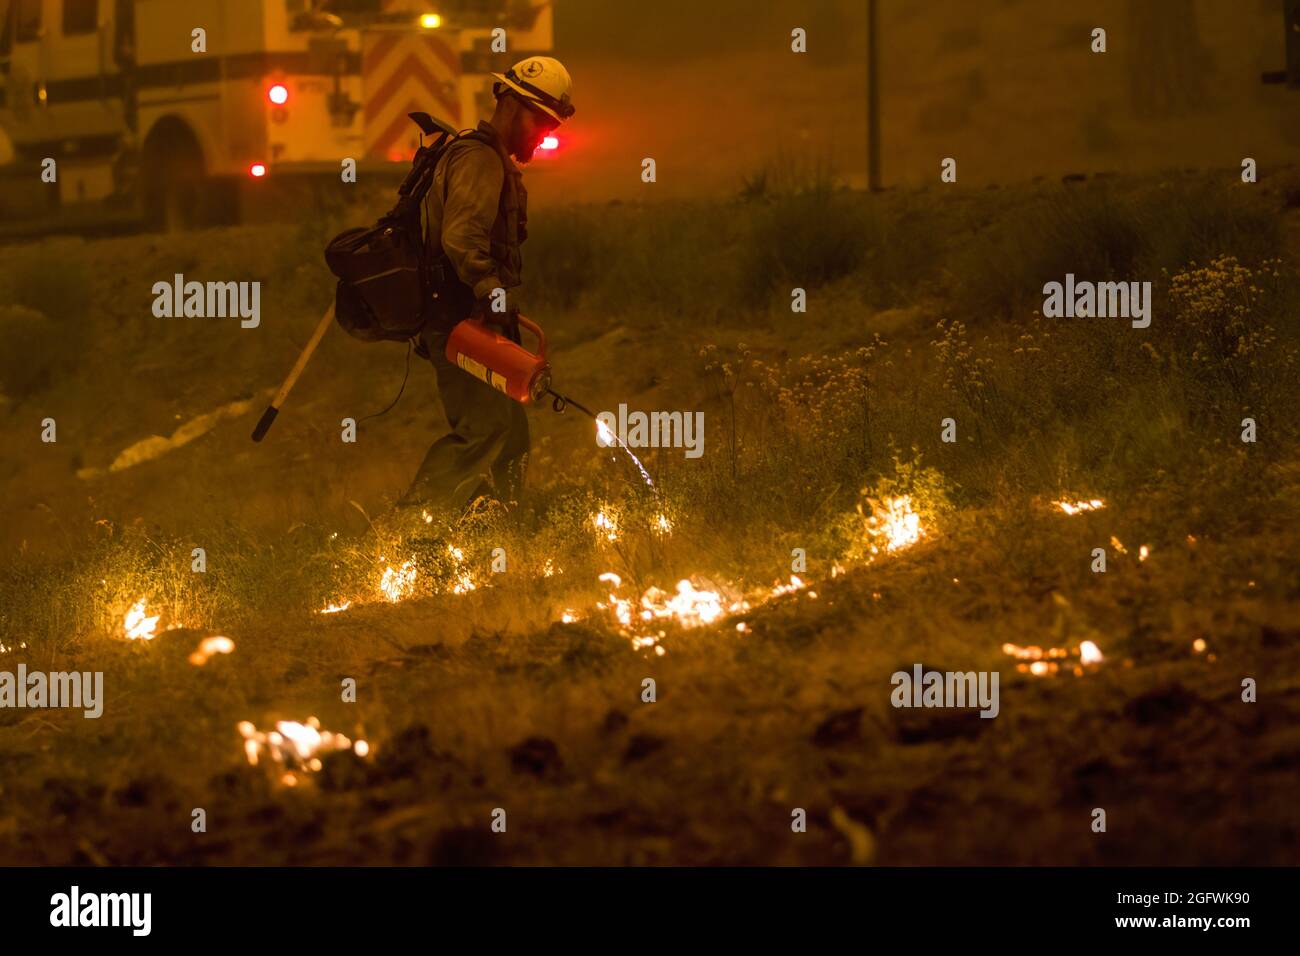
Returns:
(80, 16)
(28, 21)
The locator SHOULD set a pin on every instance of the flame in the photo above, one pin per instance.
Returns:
(661, 525)
(137, 625)
(1089, 653)
(1143, 552)
(796, 584)
(335, 608)
(295, 746)
(605, 525)
(397, 584)
(1074, 508)
(209, 647)
(689, 607)
(464, 581)
(894, 523)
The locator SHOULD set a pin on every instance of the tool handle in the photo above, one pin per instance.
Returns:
(264, 423)
(268, 417)
(536, 329)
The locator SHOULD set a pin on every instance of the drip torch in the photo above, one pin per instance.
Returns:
(510, 368)
(506, 365)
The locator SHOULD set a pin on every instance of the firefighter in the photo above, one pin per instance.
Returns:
(475, 217)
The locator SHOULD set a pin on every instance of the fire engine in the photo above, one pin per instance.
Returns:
(178, 112)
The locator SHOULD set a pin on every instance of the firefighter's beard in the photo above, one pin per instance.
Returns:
(525, 150)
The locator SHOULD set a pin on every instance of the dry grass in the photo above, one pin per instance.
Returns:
(486, 699)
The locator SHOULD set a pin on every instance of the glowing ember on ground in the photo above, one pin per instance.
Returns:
(1198, 646)
(622, 607)
(569, 616)
(1118, 545)
(428, 518)
(549, 569)
(1075, 507)
(1143, 552)
(796, 583)
(893, 523)
(335, 608)
(398, 583)
(689, 607)
(297, 747)
(1043, 661)
(138, 626)
(209, 647)
(661, 525)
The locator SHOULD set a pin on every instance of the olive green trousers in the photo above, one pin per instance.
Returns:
(484, 453)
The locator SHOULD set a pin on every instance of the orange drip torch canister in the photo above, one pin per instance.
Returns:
(491, 357)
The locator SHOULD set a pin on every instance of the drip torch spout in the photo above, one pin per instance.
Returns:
(561, 402)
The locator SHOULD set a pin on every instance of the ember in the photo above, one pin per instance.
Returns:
(295, 746)
(1043, 661)
(796, 584)
(209, 647)
(1076, 507)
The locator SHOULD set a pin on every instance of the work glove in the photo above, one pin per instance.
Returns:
(506, 322)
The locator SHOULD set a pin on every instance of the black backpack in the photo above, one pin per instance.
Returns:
(389, 288)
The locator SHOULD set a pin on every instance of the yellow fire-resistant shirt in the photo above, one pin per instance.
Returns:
(483, 217)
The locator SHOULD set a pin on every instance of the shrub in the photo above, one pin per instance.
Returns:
(29, 350)
(805, 240)
(53, 283)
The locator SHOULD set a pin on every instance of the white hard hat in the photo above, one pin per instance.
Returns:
(543, 82)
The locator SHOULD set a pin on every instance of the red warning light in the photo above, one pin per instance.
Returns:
(257, 170)
(278, 94)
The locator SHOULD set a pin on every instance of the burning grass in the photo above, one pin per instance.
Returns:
(803, 455)
(295, 748)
